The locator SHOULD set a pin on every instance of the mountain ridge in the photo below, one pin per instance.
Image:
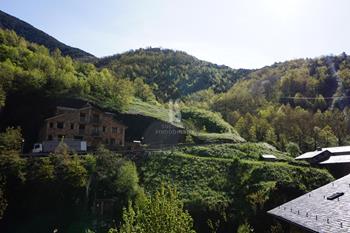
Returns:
(34, 35)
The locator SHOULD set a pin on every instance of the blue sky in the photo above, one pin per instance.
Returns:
(237, 33)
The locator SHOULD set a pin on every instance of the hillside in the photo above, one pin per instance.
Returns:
(172, 74)
(223, 182)
(37, 36)
(304, 101)
(304, 82)
(227, 184)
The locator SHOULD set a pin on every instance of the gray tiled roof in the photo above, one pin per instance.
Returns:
(314, 212)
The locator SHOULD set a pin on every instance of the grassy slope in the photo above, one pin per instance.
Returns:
(157, 111)
(244, 151)
(230, 178)
(190, 164)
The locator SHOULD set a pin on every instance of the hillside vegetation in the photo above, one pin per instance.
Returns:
(172, 74)
(27, 68)
(37, 36)
(223, 182)
(224, 185)
(304, 101)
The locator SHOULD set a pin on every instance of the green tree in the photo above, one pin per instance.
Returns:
(127, 183)
(12, 172)
(320, 103)
(3, 201)
(327, 137)
(11, 139)
(293, 149)
(161, 213)
(143, 91)
(245, 228)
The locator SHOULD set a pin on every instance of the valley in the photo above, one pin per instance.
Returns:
(193, 128)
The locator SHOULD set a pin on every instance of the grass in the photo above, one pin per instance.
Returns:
(223, 179)
(202, 137)
(192, 168)
(156, 110)
(146, 109)
(245, 151)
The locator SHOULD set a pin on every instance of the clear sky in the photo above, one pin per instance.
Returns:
(237, 33)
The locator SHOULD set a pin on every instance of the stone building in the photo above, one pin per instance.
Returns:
(87, 123)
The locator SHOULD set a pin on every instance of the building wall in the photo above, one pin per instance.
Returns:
(88, 124)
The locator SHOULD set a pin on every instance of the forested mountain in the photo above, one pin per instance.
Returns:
(172, 74)
(305, 101)
(222, 181)
(35, 35)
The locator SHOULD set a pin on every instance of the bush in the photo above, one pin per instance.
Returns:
(293, 149)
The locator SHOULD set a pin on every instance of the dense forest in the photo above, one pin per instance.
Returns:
(172, 74)
(214, 181)
(302, 101)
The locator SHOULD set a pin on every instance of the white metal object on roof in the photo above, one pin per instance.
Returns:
(337, 159)
(268, 157)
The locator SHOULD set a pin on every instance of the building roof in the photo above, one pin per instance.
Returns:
(314, 212)
(338, 149)
(268, 157)
(337, 159)
(311, 154)
(333, 150)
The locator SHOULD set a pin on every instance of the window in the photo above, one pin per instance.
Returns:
(82, 117)
(51, 124)
(60, 125)
(114, 130)
(106, 140)
(78, 138)
(71, 126)
(112, 141)
(104, 129)
(49, 138)
(60, 136)
(95, 131)
(81, 129)
(95, 118)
